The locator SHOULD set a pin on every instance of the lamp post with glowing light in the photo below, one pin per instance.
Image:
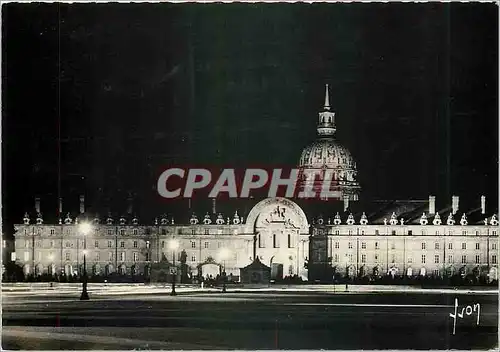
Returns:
(224, 254)
(173, 245)
(85, 229)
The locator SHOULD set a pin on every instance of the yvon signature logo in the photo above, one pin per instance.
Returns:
(468, 310)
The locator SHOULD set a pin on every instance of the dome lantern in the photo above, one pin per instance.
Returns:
(326, 123)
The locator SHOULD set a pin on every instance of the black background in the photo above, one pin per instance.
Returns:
(129, 89)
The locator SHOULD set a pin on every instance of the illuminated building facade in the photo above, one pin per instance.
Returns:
(399, 238)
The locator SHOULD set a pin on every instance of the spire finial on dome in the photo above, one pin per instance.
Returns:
(327, 98)
(326, 123)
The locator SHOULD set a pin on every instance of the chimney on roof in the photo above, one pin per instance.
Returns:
(346, 203)
(37, 205)
(454, 204)
(483, 205)
(60, 207)
(432, 204)
(82, 204)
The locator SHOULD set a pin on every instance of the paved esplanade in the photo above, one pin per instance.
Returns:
(262, 320)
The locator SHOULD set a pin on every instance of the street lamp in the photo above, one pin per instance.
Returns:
(346, 260)
(224, 254)
(173, 245)
(85, 229)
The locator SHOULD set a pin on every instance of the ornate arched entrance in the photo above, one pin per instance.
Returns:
(209, 268)
(281, 235)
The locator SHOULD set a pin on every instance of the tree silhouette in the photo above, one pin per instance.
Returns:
(13, 271)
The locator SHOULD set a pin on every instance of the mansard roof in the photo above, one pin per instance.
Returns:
(181, 210)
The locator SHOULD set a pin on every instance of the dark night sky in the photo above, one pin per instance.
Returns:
(133, 88)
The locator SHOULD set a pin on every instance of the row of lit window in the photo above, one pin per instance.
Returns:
(97, 256)
(410, 260)
(69, 244)
(147, 231)
(110, 232)
(135, 232)
(410, 232)
(424, 245)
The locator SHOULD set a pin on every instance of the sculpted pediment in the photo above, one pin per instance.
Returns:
(280, 216)
(277, 212)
